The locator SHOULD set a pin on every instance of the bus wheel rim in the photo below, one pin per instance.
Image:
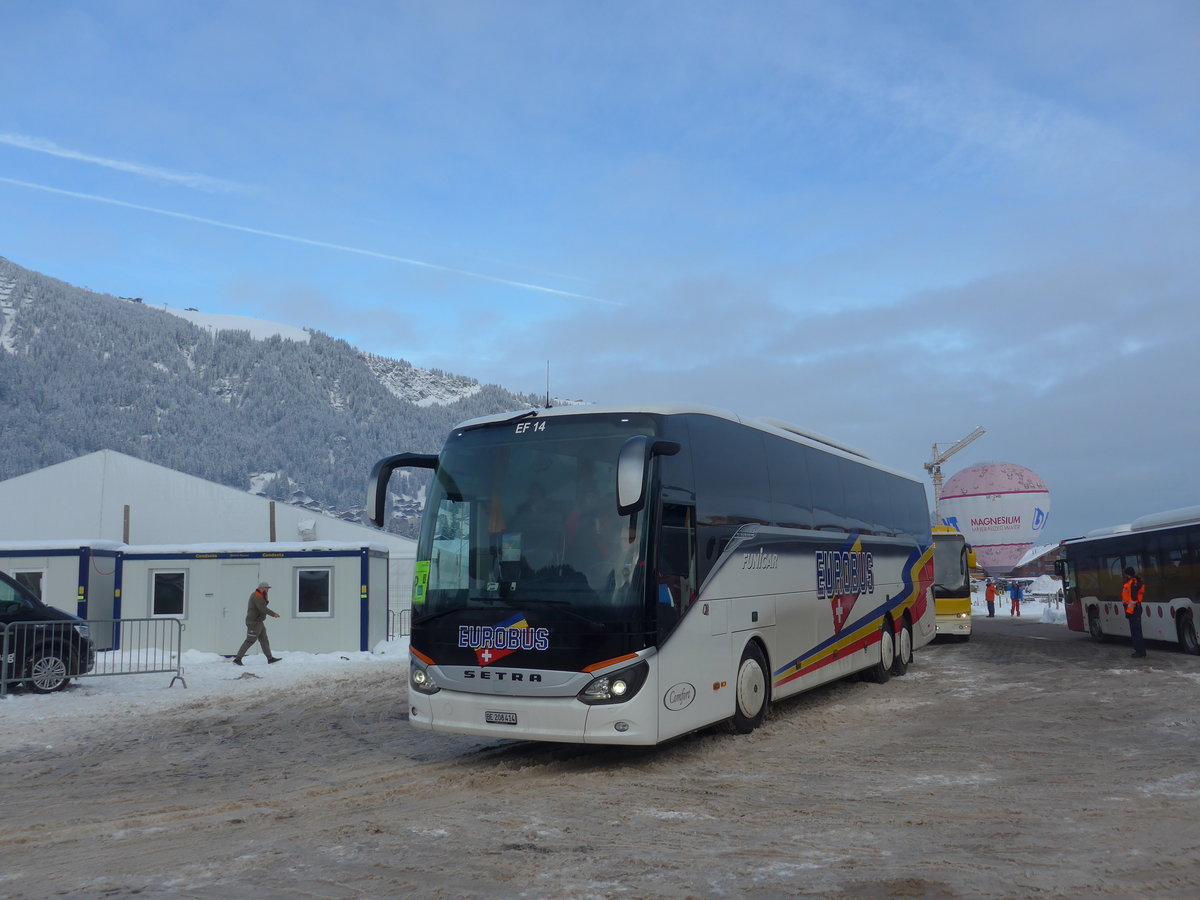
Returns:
(751, 688)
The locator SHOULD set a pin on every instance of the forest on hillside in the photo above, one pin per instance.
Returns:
(81, 372)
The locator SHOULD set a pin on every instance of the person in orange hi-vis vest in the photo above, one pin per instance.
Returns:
(1131, 594)
(990, 596)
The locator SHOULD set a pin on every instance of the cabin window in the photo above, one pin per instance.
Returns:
(168, 592)
(33, 579)
(314, 592)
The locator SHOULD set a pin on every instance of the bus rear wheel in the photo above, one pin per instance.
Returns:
(750, 690)
(882, 670)
(1187, 635)
(904, 649)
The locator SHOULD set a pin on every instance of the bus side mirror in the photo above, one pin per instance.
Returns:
(633, 469)
(381, 473)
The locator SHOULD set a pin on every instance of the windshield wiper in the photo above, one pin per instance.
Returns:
(531, 414)
(457, 609)
(421, 620)
(564, 605)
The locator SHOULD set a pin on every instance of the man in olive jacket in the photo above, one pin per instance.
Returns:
(256, 624)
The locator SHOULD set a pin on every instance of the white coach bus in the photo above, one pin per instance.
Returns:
(625, 576)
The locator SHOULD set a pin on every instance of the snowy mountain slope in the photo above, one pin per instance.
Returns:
(296, 417)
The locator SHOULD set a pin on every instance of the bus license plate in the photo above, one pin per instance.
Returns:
(500, 718)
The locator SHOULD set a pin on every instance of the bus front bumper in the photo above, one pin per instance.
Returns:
(956, 624)
(563, 719)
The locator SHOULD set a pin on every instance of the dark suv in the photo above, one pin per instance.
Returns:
(41, 647)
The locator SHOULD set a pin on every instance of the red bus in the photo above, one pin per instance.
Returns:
(1164, 549)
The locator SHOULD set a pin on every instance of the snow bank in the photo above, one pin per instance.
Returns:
(210, 677)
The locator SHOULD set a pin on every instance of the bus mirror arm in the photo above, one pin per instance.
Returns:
(633, 467)
(381, 474)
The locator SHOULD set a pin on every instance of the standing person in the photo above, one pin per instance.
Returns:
(990, 596)
(256, 624)
(1131, 593)
(1014, 594)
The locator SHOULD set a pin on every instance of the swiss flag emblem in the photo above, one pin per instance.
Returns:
(841, 609)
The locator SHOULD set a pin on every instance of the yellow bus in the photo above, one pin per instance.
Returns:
(953, 559)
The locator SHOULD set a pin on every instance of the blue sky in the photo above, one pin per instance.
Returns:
(887, 222)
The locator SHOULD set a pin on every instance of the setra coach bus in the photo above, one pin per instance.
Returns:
(1164, 549)
(625, 576)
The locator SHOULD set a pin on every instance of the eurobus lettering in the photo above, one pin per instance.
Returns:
(628, 575)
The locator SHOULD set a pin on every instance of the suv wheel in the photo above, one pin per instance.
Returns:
(49, 670)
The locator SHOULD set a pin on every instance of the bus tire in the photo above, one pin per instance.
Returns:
(904, 649)
(882, 670)
(1187, 634)
(751, 690)
(1095, 629)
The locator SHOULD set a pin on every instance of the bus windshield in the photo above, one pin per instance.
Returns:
(522, 516)
(950, 572)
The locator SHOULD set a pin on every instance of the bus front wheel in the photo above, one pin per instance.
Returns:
(1094, 626)
(882, 670)
(1187, 635)
(750, 690)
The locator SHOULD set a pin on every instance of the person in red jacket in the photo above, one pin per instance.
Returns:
(1131, 594)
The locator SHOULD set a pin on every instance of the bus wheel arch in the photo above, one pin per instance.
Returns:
(1186, 627)
(904, 647)
(881, 671)
(751, 689)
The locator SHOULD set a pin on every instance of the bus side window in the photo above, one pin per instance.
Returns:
(676, 565)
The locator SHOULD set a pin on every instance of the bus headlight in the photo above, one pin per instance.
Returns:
(419, 680)
(617, 687)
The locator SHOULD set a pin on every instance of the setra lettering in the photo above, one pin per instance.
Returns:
(498, 675)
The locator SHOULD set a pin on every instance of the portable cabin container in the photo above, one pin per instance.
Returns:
(110, 496)
(329, 596)
(76, 576)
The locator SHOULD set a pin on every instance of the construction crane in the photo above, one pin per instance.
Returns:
(934, 468)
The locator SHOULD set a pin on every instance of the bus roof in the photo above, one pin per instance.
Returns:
(1186, 515)
(771, 426)
(946, 531)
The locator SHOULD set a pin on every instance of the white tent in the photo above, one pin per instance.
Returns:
(107, 495)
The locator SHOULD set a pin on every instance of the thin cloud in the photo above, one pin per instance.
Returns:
(187, 179)
(310, 242)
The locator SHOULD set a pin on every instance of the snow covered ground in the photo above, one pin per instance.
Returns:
(207, 675)
(1029, 761)
(214, 677)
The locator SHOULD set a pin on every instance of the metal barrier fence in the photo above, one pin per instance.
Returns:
(399, 618)
(45, 656)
